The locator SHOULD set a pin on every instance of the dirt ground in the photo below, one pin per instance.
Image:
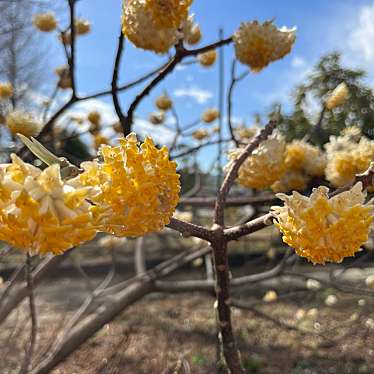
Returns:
(176, 334)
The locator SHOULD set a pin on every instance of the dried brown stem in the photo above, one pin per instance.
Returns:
(31, 346)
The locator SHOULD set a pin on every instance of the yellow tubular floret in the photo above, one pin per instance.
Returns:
(154, 25)
(324, 229)
(257, 45)
(6, 90)
(264, 166)
(39, 212)
(138, 184)
(45, 22)
(22, 123)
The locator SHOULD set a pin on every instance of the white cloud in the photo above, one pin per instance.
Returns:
(352, 34)
(361, 38)
(159, 133)
(298, 62)
(200, 95)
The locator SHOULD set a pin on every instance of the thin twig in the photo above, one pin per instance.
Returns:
(30, 288)
(233, 171)
(115, 96)
(234, 80)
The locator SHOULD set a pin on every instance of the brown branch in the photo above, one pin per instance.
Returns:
(11, 282)
(207, 285)
(222, 290)
(18, 293)
(115, 97)
(190, 229)
(126, 86)
(233, 171)
(71, 60)
(198, 147)
(30, 290)
(221, 265)
(230, 202)
(111, 307)
(161, 76)
(198, 51)
(139, 257)
(256, 224)
(180, 54)
(234, 81)
(318, 127)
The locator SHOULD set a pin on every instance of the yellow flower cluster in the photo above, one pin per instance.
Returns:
(168, 13)
(200, 134)
(191, 32)
(302, 161)
(131, 191)
(210, 115)
(257, 45)
(164, 102)
(138, 187)
(22, 123)
(347, 157)
(264, 166)
(39, 212)
(154, 24)
(82, 26)
(99, 140)
(324, 229)
(6, 91)
(291, 180)
(337, 97)
(45, 22)
(207, 59)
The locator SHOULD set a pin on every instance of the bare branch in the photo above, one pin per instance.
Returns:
(30, 289)
(233, 171)
(115, 96)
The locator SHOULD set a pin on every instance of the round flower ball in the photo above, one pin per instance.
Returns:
(207, 59)
(138, 187)
(257, 45)
(324, 229)
(164, 102)
(23, 123)
(45, 22)
(6, 91)
(191, 32)
(153, 25)
(210, 115)
(82, 26)
(337, 97)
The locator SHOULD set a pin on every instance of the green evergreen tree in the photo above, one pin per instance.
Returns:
(357, 110)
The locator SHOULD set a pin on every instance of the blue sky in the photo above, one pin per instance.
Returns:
(322, 26)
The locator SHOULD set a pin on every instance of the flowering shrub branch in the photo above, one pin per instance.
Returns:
(132, 189)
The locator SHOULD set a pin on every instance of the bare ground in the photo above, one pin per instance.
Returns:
(164, 332)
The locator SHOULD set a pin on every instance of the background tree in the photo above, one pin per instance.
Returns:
(327, 74)
(22, 55)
